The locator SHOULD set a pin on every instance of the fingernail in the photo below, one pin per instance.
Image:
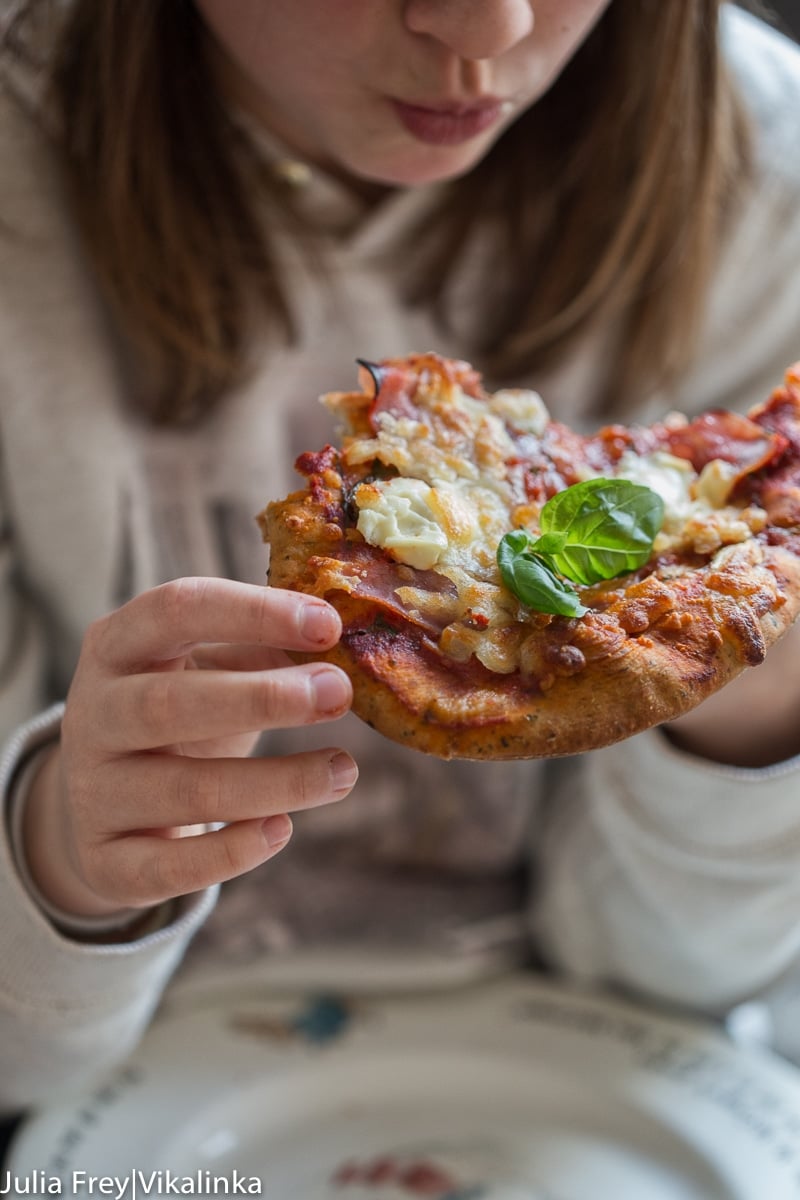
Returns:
(331, 691)
(316, 623)
(344, 772)
(277, 830)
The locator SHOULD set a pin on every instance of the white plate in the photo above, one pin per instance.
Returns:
(510, 1091)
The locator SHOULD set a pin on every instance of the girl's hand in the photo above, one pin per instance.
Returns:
(169, 696)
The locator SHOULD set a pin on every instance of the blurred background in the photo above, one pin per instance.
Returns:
(788, 13)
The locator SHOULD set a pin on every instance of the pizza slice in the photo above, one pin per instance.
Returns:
(509, 588)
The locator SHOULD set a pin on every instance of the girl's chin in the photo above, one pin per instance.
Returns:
(416, 169)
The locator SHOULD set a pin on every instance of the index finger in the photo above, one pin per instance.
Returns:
(167, 621)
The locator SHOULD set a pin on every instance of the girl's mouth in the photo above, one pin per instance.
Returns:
(449, 124)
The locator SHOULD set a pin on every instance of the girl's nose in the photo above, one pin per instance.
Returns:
(472, 29)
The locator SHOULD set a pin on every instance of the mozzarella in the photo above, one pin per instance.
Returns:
(695, 509)
(670, 477)
(396, 515)
(451, 524)
(523, 409)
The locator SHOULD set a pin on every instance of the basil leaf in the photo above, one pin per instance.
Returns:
(532, 581)
(550, 543)
(606, 528)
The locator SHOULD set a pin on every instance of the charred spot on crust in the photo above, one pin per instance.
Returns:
(749, 636)
(379, 628)
(381, 625)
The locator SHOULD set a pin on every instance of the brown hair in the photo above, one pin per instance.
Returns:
(639, 143)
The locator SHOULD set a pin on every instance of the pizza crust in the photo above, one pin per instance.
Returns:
(409, 691)
(653, 646)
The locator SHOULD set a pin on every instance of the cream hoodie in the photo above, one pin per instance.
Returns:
(637, 867)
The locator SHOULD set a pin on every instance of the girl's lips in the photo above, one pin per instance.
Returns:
(448, 125)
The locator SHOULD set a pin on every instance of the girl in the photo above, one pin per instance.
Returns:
(210, 209)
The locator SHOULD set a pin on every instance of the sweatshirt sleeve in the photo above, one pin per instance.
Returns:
(671, 876)
(69, 1009)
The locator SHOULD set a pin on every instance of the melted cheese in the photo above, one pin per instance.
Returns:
(696, 513)
(453, 501)
(397, 515)
(451, 524)
(523, 409)
(664, 473)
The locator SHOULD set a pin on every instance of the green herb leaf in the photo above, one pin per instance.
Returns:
(532, 581)
(606, 528)
(593, 531)
(551, 543)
